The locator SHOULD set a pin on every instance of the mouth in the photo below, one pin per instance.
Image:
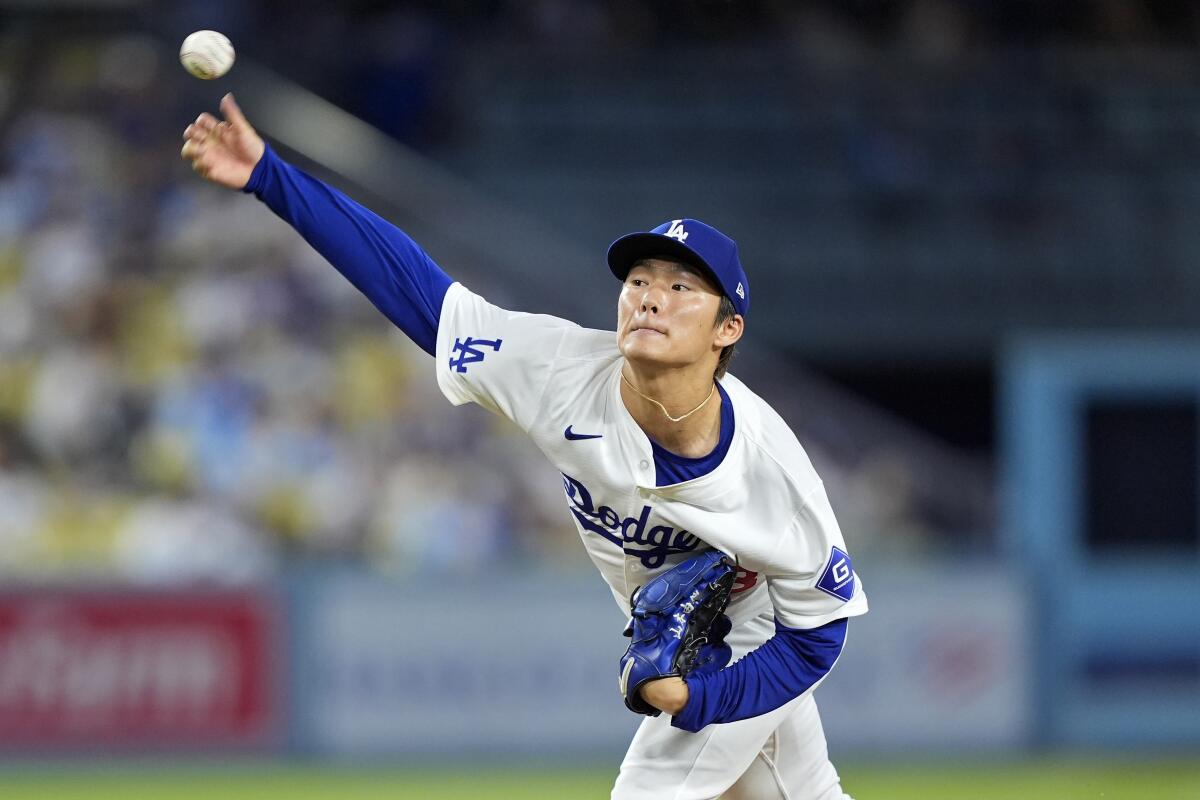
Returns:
(646, 329)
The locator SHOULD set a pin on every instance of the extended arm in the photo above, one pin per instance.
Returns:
(377, 257)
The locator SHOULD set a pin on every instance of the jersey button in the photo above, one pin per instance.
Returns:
(645, 465)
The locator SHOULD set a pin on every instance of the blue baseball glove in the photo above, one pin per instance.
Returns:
(678, 626)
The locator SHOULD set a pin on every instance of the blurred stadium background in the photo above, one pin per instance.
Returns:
(247, 549)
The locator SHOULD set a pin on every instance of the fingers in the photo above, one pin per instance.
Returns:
(194, 150)
(207, 126)
(206, 122)
(211, 144)
(232, 112)
(196, 133)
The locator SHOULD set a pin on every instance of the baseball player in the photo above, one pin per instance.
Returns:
(663, 455)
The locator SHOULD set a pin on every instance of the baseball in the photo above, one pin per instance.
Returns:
(206, 54)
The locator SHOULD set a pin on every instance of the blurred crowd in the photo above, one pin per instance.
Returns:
(188, 392)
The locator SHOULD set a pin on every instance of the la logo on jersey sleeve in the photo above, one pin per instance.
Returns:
(470, 351)
(838, 578)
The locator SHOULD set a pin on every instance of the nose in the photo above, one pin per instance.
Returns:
(651, 300)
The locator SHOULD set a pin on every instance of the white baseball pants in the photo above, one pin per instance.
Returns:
(780, 755)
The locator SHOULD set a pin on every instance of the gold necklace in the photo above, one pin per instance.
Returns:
(664, 408)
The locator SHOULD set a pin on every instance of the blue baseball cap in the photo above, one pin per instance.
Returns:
(692, 242)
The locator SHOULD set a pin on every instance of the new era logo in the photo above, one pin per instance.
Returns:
(741, 292)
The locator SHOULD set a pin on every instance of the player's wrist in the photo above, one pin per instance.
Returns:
(669, 695)
(254, 181)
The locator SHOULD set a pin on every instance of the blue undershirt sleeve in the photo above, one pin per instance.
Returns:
(377, 257)
(781, 669)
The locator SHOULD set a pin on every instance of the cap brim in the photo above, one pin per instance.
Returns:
(629, 249)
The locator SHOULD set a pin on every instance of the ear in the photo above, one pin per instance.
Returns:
(729, 331)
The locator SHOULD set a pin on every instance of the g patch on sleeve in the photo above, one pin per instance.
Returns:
(838, 578)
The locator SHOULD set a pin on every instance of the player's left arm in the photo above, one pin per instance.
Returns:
(814, 591)
(781, 669)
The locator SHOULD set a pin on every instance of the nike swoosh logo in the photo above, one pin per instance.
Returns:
(572, 436)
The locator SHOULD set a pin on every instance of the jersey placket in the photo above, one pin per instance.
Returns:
(641, 474)
(640, 460)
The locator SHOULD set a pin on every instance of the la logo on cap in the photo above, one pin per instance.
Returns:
(677, 231)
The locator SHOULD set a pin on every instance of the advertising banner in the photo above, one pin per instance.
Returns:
(99, 670)
(528, 665)
(942, 663)
(461, 665)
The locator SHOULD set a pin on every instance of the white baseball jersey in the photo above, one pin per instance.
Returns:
(763, 504)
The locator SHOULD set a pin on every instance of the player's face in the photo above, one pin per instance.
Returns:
(666, 315)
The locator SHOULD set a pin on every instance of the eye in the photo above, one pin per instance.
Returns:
(681, 287)
(636, 282)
